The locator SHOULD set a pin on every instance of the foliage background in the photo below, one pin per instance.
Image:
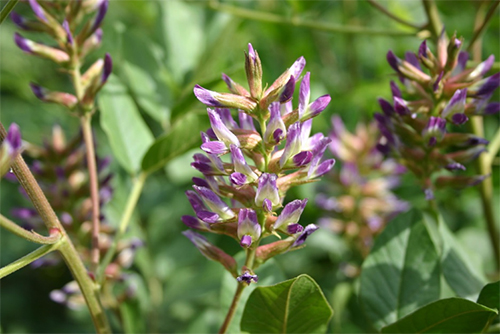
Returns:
(160, 50)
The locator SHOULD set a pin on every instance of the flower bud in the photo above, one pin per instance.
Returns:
(234, 87)
(26, 24)
(290, 213)
(293, 143)
(240, 165)
(253, 70)
(249, 229)
(41, 50)
(272, 137)
(455, 109)
(308, 230)
(221, 131)
(215, 203)
(247, 278)
(64, 99)
(267, 189)
(434, 131)
(224, 100)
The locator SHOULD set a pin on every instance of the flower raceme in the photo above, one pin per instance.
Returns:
(440, 93)
(252, 163)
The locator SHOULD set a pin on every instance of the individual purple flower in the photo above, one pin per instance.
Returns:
(240, 164)
(246, 121)
(396, 92)
(387, 107)
(69, 35)
(38, 10)
(482, 68)
(214, 202)
(290, 213)
(294, 228)
(308, 230)
(101, 12)
(214, 147)
(401, 106)
(434, 131)
(221, 131)
(249, 229)
(456, 104)
(293, 143)
(267, 189)
(247, 278)
(486, 86)
(275, 124)
(309, 110)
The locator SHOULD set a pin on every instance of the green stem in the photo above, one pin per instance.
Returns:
(32, 236)
(493, 148)
(27, 259)
(434, 22)
(7, 9)
(68, 251)
(297, 22)
(127, 215)
(482, 27)
(94, 190)
(396, 18)
(232, 309)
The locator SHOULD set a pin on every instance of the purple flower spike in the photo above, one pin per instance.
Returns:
(488, 85)
(393, 60)
(214, 147)
(422, 50)
(291, 213)
(455, 166)
(214, 202)
(221, 131)
(287, 92)
(13, 140)
(69, 36)
(23, 43)
(101, 12)
(396, 92)
(275, 123)
(308, 230)
(267, 189)
(240, 164)
(238, 179)
(294, 228)
(386, 106)
(249, 228)
(38, 10)
(293, 143)
(401, 107)
(108, 67)
(247, 278)
(456, 104)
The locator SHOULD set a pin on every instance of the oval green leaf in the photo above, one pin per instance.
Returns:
(452, 315)
(294, 306)
(183, 136)
(490, 295)
(127, 132)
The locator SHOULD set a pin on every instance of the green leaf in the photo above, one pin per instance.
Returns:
(452, 315)
(402, 271)
(490, 295)
(127, 132)
(269, 273)
(294, 306)
(183, 136)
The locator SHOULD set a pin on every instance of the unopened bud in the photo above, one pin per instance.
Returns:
(253, 68)
(65, 99)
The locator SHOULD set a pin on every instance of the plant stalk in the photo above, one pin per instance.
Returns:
(396, 18)
(434, 22)
(94, 190)
(32, 236)
(232, 309)
(297, 22)
(482, 27)
(27, 259)
(7, 9)
(127, 215)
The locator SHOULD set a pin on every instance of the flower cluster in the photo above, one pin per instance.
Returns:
(60, 20)
(439, 90)
(359, 200)
(253, 165)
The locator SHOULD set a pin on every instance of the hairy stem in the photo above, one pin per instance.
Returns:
(396, 18)
(32, 236)
(94, 189)
(65, 246)
(234, 304)
(7, 9)
(297, 22)
(127, 215)
(27, 259)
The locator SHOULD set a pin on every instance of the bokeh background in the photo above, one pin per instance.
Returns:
(161, 49)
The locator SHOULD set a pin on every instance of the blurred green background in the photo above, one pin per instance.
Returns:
(161, 49)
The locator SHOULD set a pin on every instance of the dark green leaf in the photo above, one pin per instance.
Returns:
(183, 136)
(128, 134)
(269, 273)
(452, 315)
(293, 306)
(490, 295)
(402, 272)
